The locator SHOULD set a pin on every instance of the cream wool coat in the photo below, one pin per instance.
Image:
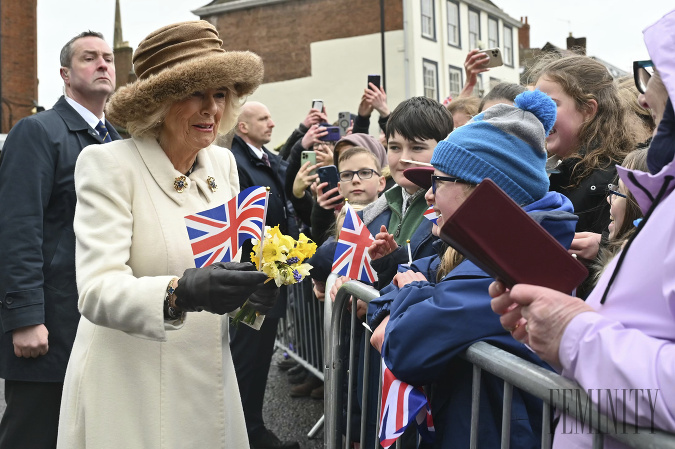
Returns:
(134, 380)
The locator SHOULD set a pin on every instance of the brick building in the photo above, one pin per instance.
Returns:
(326, 48)
(18, 61)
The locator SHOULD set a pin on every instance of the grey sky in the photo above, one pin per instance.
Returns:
(613, 28)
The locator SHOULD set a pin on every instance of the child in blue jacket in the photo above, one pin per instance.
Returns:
(422, 326)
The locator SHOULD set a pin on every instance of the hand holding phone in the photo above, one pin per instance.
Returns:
(329, 174)
(308, 156)
(375, 79)
(495, 57)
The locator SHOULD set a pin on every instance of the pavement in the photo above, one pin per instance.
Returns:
(289, 418)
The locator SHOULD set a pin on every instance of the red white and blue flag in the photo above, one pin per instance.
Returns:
(351, 254)
(430, 215)
(402, 404)
(217, 234)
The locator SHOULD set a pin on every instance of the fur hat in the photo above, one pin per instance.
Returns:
(504, 143)
(177, 60)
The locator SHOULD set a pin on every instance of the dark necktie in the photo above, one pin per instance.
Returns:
(266, 159)
(103, 132)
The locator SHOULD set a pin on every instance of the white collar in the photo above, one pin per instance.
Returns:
(86, 114)
(257, 151)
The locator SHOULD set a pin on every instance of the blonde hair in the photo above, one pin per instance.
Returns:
(353, 151)
(151, 124)
(604, 137)
(468, 105)
(639, 121)
(451, 257)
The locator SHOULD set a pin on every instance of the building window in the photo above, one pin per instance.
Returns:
(493, 33)
(455, 74)
(453, 23)
(508, 46)
(478, 89)
(430, 76)
(428, 20)
(474, 29)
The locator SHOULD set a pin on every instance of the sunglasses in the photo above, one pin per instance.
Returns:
(436, 178)
(642, 72)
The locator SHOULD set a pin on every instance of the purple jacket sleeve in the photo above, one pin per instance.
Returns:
(602, 354)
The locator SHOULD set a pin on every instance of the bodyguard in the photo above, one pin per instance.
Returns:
(38, 294)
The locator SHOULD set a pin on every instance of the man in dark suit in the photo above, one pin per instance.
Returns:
(252, 350)
(38, 294)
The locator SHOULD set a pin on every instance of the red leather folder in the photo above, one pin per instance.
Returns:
(496, 234)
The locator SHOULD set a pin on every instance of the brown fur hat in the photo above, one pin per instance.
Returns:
(177, 60)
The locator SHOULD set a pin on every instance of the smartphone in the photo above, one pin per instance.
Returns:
(495, 56)
(333, 134)
(344, 121)
(329, 174)
(375, 79)
(317, 104)
(308, 156)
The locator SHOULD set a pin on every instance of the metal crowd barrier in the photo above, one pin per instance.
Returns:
(515, 372)
(301, 335)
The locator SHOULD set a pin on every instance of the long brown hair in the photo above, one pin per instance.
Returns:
(604, 137)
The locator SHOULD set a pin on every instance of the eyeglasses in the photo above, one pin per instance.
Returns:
(642, 72)
(364, 173)
(612, 192)
(435, 179)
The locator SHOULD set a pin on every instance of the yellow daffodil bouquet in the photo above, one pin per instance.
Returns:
(282, 260)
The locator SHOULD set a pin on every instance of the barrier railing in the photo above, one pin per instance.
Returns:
(515, 372)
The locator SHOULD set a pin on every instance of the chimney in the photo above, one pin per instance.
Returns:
(576, 44)
(524, 34)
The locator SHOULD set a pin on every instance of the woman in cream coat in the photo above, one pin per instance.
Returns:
(143, 373)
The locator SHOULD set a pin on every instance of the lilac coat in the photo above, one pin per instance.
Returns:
(630, 342)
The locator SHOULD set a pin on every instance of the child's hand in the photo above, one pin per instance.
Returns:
(377, 339)
(402, 279)
(324, 200)
(383, 245)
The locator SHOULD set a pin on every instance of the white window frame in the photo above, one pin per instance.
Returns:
(428, 19)
(457, 73)
(508, 46)
(454, 37)
(430, 78)
(474, 34)
(493, 32)
(478, 89)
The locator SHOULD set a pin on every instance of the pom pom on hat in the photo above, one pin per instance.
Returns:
(504, 143)
(539, 104)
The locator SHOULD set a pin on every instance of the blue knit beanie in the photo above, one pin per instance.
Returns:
(504, 143)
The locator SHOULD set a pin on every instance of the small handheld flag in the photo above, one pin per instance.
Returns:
(217, 234)
(402, 404)
(351, 254)
(430, 215)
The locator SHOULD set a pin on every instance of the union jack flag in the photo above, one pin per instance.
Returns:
(217, 234)
(431, 215)
(351, 254)
(401, 404)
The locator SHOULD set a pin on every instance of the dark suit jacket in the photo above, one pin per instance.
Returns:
(253, 172)
(37, 242)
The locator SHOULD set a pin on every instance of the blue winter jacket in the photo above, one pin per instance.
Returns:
(431, 324)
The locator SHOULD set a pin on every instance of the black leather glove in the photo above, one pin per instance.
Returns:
(265, 298)
(219, 288)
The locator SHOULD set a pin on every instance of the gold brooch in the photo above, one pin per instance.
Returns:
(180, 184)
(212, 183)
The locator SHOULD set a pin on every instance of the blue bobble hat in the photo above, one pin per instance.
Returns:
(504, 143)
